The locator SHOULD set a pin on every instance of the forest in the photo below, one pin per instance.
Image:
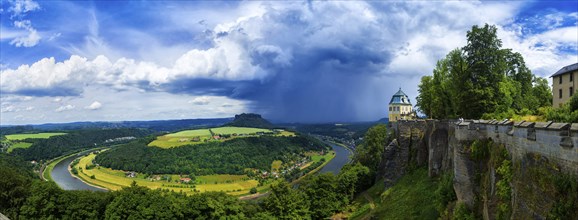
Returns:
(24, 196)
(483, 80)
(317, 197)
(228, 157)
(44, 149)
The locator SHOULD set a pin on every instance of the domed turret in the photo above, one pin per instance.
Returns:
(400, 107)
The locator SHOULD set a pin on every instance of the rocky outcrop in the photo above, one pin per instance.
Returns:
(539, 152)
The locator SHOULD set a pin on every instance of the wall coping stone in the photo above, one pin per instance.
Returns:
(518, 124)
(559, 126)
(527, 124)
(542, 124)
(574, 127)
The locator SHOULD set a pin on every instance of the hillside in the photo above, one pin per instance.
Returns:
(228, 157)
(250, 120)
(478, 169)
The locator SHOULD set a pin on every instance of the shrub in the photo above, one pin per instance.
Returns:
(479, 150)
(462, 212)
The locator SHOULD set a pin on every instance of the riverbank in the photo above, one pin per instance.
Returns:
(320, 169)
(61, 175)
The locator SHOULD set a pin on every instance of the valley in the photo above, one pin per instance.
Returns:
(191, 177)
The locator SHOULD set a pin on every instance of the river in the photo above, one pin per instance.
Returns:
(341, 158)
(67, 181)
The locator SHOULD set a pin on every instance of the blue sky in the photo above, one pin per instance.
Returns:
(297, 61)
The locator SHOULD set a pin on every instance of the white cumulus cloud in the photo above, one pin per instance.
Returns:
(202, 100)
(94, 106)
(64, 108)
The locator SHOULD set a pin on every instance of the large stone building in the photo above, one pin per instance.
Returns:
(400, 107)
(564, 84)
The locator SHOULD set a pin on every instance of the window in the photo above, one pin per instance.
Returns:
(571, 91)
(560, 93)
(389, 108)
(560, 82)
(571, 78)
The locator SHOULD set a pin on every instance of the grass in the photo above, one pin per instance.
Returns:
(116, 179)
(276, 165)
(18, 145)
(18, 137)
(198, 136)
(191, 133)
(237, 130)
(412, 197)
(237, 185)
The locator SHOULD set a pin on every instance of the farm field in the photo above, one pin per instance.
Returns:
(116, 179)
(18, 137)
(237, 130)
(199, 136)
(19, 145)
(15, 140)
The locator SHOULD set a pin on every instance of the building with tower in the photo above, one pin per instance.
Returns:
(400, 107)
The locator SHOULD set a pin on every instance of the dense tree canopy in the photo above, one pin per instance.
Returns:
(24, 196)
(374, 142)
(229, 157)
(56, 146)
(482, 78)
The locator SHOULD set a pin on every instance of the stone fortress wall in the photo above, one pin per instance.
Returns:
(444, 146)
(556, 141)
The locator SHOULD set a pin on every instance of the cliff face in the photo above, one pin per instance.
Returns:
(501, 169)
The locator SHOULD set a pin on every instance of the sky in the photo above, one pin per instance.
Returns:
(291, 61)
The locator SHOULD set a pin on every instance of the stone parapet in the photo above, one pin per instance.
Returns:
(555, 140)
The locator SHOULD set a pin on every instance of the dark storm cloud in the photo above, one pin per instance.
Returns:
(316, 68)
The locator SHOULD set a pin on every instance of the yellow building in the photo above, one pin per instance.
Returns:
(564, 84)
(400, 107)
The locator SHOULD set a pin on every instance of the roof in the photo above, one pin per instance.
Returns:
(566, 69)
(400, 98)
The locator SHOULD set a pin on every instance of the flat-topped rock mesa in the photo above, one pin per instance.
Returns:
(250, 120)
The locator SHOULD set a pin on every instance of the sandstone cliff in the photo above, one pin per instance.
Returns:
(501, 170)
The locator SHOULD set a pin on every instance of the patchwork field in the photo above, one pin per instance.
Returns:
(19, 145)
(116, 179)
(18, 137)
(15, 140)
(237, 130)
(199, 136)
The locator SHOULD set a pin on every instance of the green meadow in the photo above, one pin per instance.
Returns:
(18, 137)
(116, 179)
(19, 145)
(237, 130)
(199, 136)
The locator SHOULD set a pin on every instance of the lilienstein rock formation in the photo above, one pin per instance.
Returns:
(539, 153)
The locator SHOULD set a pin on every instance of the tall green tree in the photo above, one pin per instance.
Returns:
(482, 79)
(287, 203)
(323, 194)
(352, 179)
(424, 101)
(483, 57)
(369, 153)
